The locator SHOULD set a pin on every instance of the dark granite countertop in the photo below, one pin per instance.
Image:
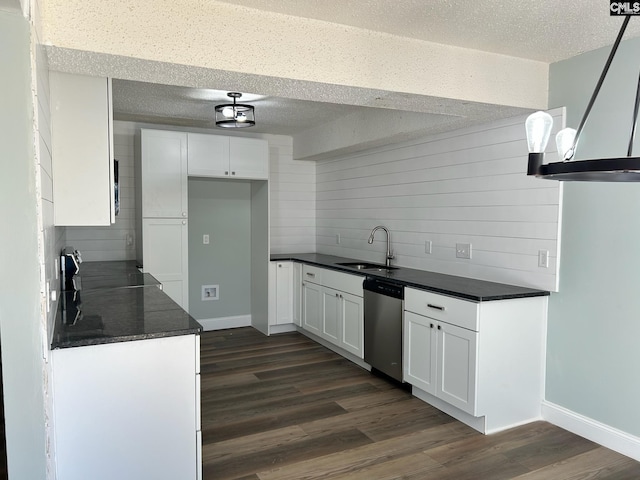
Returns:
(460, 287)
(117, 303)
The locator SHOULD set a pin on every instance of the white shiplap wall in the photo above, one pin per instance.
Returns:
(292, 204)
(292, 187)
(110, 243)
(467, 186)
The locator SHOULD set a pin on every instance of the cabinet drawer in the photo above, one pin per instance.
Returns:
(440, 307)
(332, 279)
(312, 274)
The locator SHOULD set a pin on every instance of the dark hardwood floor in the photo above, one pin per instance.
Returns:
(286, 408)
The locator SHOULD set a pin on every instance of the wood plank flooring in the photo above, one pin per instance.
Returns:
(286, 408)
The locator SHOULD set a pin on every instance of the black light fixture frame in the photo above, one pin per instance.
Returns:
(238, 108)
(620, 169)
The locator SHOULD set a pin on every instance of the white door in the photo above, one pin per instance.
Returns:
(249, 158)
(330, 315)
(352, 323)
(457, 361)
(165, 255)
(208, 155)
(420, 344)
(284, 293)
(164, 174)
(297, 294)
(312, 307)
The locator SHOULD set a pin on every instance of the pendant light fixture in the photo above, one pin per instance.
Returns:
(538, 128)
(235, 115)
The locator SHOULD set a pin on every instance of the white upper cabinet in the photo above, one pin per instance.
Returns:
(82, 150)
(164, 174)
(249, 158)
(229, 157)
(208, 155)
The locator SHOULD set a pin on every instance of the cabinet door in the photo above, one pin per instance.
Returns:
(82, 150)
(249, 158)
(164, 174)
(457, 361)
(208, 155)
(420, 344)
(331, 306)
(165, 256)
(297, 294)
(284, 293)
(352, 324)
(312, 307)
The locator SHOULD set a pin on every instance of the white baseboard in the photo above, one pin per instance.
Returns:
(220, 323)
(607, 436)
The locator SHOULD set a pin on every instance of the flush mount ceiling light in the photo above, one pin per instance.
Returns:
(538, 127)
(235, 115)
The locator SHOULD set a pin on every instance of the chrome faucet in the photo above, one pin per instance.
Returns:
(387, 261)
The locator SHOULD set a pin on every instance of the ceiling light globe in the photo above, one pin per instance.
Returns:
(538, 127)
(227, 112)
(241, 117)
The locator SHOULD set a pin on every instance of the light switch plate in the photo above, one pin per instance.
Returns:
(337, 238)
(205, 239)
(427, 246)
(463, 250)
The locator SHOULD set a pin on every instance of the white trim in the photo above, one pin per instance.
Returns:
(284, 328)
(477, 423)
(220, 323)
(340, 351)
(607, 436)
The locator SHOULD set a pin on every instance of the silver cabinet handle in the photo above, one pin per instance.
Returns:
(311, 274)
(436, 307)
(184, 214)
(184, 222)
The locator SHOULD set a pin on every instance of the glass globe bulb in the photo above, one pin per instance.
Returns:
(227, 112)
(538, 127)
(241, 117)
(564, 142)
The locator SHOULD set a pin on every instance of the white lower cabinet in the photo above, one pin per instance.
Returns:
(440, 358)
(312, 307)
(284, 293)
(333, 308)
(480, 362)
(128, 410)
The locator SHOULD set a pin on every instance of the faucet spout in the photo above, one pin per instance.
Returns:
(389, 255)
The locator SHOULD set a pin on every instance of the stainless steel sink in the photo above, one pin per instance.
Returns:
(367, 266)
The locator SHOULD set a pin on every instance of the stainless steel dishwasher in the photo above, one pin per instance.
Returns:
(383, 326)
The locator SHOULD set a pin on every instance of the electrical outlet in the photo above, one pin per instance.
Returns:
(427, 246)
(543, 258)
(205, 239)
(337, 238)
(463, 250)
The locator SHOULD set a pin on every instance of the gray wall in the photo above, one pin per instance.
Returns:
(22, 364)
(221, 209)
(594, 320)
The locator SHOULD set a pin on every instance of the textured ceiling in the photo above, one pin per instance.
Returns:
(174, 105)
(544, 30)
